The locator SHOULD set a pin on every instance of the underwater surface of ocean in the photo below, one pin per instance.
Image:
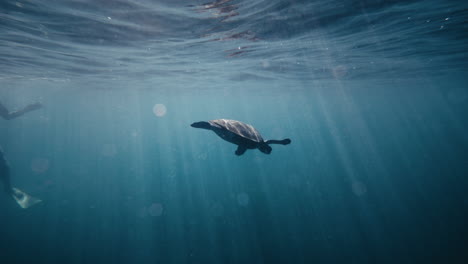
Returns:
(373, 94)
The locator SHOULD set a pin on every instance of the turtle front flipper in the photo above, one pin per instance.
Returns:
(286, 141)
(240, 150)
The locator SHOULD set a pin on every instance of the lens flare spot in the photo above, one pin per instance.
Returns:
(243, 199)
(172, 173)
(339, 71)
(141, 213)
(457, 96)
(48, 183)
(217, 209)
(202, 156)
(109, 150)
(265, 64)
(359, 189)
(159, 110)
(155, 209)
(40, 165)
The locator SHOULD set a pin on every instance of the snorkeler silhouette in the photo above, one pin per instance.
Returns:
(22, 198)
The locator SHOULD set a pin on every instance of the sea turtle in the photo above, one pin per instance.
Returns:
(243, 135)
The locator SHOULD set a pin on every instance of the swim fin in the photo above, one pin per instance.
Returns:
(23, 199)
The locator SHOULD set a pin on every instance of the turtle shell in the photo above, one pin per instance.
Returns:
(241, 129)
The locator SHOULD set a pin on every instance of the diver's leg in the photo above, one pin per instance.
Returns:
(5, 173)
(23, 199)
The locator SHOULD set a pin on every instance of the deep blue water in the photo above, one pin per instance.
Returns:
(373, 94)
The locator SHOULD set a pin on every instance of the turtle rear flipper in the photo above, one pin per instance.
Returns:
(240, 150)
(23, 199)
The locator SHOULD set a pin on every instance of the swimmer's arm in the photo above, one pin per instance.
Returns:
(11, 115)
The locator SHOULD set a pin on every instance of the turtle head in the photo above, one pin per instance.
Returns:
(201, 124)
(263, 147)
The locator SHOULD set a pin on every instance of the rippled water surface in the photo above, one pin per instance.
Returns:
(373, 95)
(175, 42)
